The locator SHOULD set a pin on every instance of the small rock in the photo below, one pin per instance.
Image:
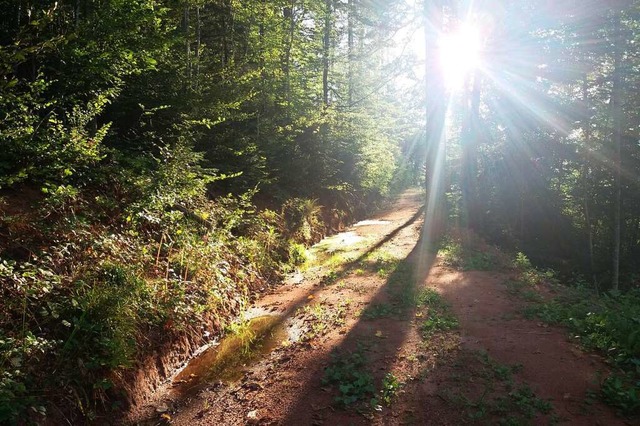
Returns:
(252, 417)
(162, 408)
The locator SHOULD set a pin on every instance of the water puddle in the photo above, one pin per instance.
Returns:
(339, 241)
(370, 222)
(227, 361)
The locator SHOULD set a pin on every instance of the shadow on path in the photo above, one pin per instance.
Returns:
(380, 351)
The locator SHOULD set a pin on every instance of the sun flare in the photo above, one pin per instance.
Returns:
(459, 54)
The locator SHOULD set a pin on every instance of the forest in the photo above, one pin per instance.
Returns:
(164, 163)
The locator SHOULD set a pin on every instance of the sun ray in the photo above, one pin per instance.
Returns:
(459, 54)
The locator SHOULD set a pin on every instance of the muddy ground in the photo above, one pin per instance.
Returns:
(380, 329)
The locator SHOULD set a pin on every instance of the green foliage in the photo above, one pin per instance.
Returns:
(522, 261)
(302, 221)
(623, 392)
(381, 262)
(16, 357)
(103, 315)
(487, 393)
(322, 318)
(379, 310)
(349, 373)
(611, 324)
(457, 254)
(298, 254)
(123, 123)
(389, 389)
(100, 293)
(435, 313)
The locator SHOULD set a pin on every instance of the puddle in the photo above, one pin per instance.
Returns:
(339, 240)
(370, 222)
(227, 361)
(294, 278)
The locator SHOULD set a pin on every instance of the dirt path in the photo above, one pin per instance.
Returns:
(364, 337)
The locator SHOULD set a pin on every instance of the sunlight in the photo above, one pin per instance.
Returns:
(460, 53)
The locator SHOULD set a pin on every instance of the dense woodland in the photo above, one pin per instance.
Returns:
(164, 161)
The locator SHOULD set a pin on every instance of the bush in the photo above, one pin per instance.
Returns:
(302, 220)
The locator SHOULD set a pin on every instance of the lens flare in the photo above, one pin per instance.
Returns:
(460, 54)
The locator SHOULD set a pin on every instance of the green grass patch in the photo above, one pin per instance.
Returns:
(435, 313)
(461, 256)
(349, 373)
(322, 318)
(381, 262)
(609, 323)
(379, 310)
(487, 393)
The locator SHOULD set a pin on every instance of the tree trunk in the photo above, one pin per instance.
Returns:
(326, 47)
(225, 32)
(435, 124)
(586, 188)
(198, 43)
(350, 50)
(469, 166)
(616, 121)
(187, 42)
(289, 14)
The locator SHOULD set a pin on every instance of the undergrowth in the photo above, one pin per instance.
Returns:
(93, 281)
(486, 392)
(467, 253)
(434, 313)
(608, 323)
(350, 373)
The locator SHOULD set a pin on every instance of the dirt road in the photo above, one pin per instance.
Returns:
(380, 330)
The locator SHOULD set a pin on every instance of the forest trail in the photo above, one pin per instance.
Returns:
(367, 321)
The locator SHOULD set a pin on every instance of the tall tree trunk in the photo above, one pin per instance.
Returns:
(435, 126)
(616, 121)
(350, 50)
(187, 42)
(225, 32)
(19, 16)
(586, 187)
(76, 13)
(198, 43)
(326, 50)
(289, 15)
(469, 161)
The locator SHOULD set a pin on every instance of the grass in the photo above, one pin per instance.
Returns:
(106, 294)
(608, 323)
(434, 313)
(379, 310)
(467, 256)
(350, 374)
(321, 318)
(487, 393)
(381, 262)
(389, 389)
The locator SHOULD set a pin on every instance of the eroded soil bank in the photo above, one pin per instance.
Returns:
(380, 330)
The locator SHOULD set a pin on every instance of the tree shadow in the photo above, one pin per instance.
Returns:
(376, 337)
(183, 392)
